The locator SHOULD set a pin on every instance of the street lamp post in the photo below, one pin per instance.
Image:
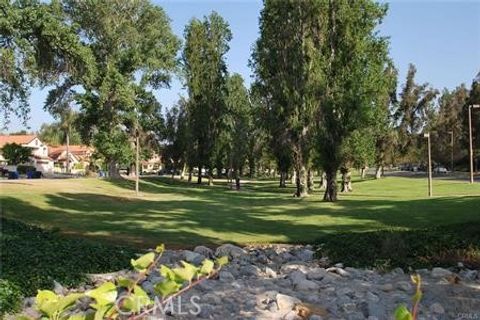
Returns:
(470, 107)
(430, 193)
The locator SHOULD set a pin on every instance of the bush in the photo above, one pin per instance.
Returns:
(421, 248)
(32, 257)
(23, 169)
(10, 297)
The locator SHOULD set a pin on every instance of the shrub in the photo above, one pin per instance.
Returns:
(25, 250)
(10, 297)
(420, 248)
(23, 169)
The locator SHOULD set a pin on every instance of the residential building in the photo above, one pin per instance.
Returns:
(79, 155)
(39, 159)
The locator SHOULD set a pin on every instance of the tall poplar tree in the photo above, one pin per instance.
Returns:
(284, 61)
(205, 71)
(353, 63)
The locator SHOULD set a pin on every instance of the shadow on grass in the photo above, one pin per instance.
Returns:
(206, 215)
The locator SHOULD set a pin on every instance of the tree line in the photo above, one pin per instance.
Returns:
(323, 98)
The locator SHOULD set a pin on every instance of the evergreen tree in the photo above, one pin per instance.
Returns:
(206, 44)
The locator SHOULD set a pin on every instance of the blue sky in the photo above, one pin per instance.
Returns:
(442, 38)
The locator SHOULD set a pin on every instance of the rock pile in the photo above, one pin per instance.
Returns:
(286, 282)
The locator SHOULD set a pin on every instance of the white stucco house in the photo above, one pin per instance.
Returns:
(40, 159)
(79, 158)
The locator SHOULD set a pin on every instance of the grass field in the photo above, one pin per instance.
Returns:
(184, 215)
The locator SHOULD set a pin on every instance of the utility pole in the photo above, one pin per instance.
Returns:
(470, 107)
(137, 153)
(137, 171)
(430, 193)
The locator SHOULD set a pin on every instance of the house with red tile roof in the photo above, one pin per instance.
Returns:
(39, 159)
(79, 157)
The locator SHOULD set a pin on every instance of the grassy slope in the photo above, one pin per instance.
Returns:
(179, 214)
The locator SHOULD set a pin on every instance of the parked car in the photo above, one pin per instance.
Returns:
(441, 170)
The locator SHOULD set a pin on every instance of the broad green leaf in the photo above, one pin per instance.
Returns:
(67, 301)
(125, 282)
(402, 313)
(77, 316)
(46, 302)
(142, 263)
(222, 261)
(168, 273)
(207, 267)
(102, 312)
(104, 295)
(187, 272)
(167, 288)
(160, 248)
(138, 300)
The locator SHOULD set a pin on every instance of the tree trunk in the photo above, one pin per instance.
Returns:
(184, 170)
(283, 179)
(378, 172)
(237, 179)
(310, 182)
(323, 181)
(251, 167)
(331, 185)
(301, 182)
(294, 176)
(199, 178)
(346, 181)
(190, 174)
(112, 169)
(363, 172)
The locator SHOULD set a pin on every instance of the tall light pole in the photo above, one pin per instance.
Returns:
(470, 107)
(137, 153)
(451, 149)
(430, 193)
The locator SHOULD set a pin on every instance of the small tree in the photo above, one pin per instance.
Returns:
(16, 154)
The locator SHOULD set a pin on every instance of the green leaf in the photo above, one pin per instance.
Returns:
(167, 288)
(187, 272)
(168, 273)
(160, 248)
(123, 282)
(103, 312)
(46, 302)
(222, 261)
(142, 263)
(77, 316)
(207, 267)
(67, 301)
(402, 313)
(104, 295)
(138, 300)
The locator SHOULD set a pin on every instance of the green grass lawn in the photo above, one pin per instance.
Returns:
(179, 214)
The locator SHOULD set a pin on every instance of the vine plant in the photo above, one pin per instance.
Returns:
(125, 298)
(402, 313)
